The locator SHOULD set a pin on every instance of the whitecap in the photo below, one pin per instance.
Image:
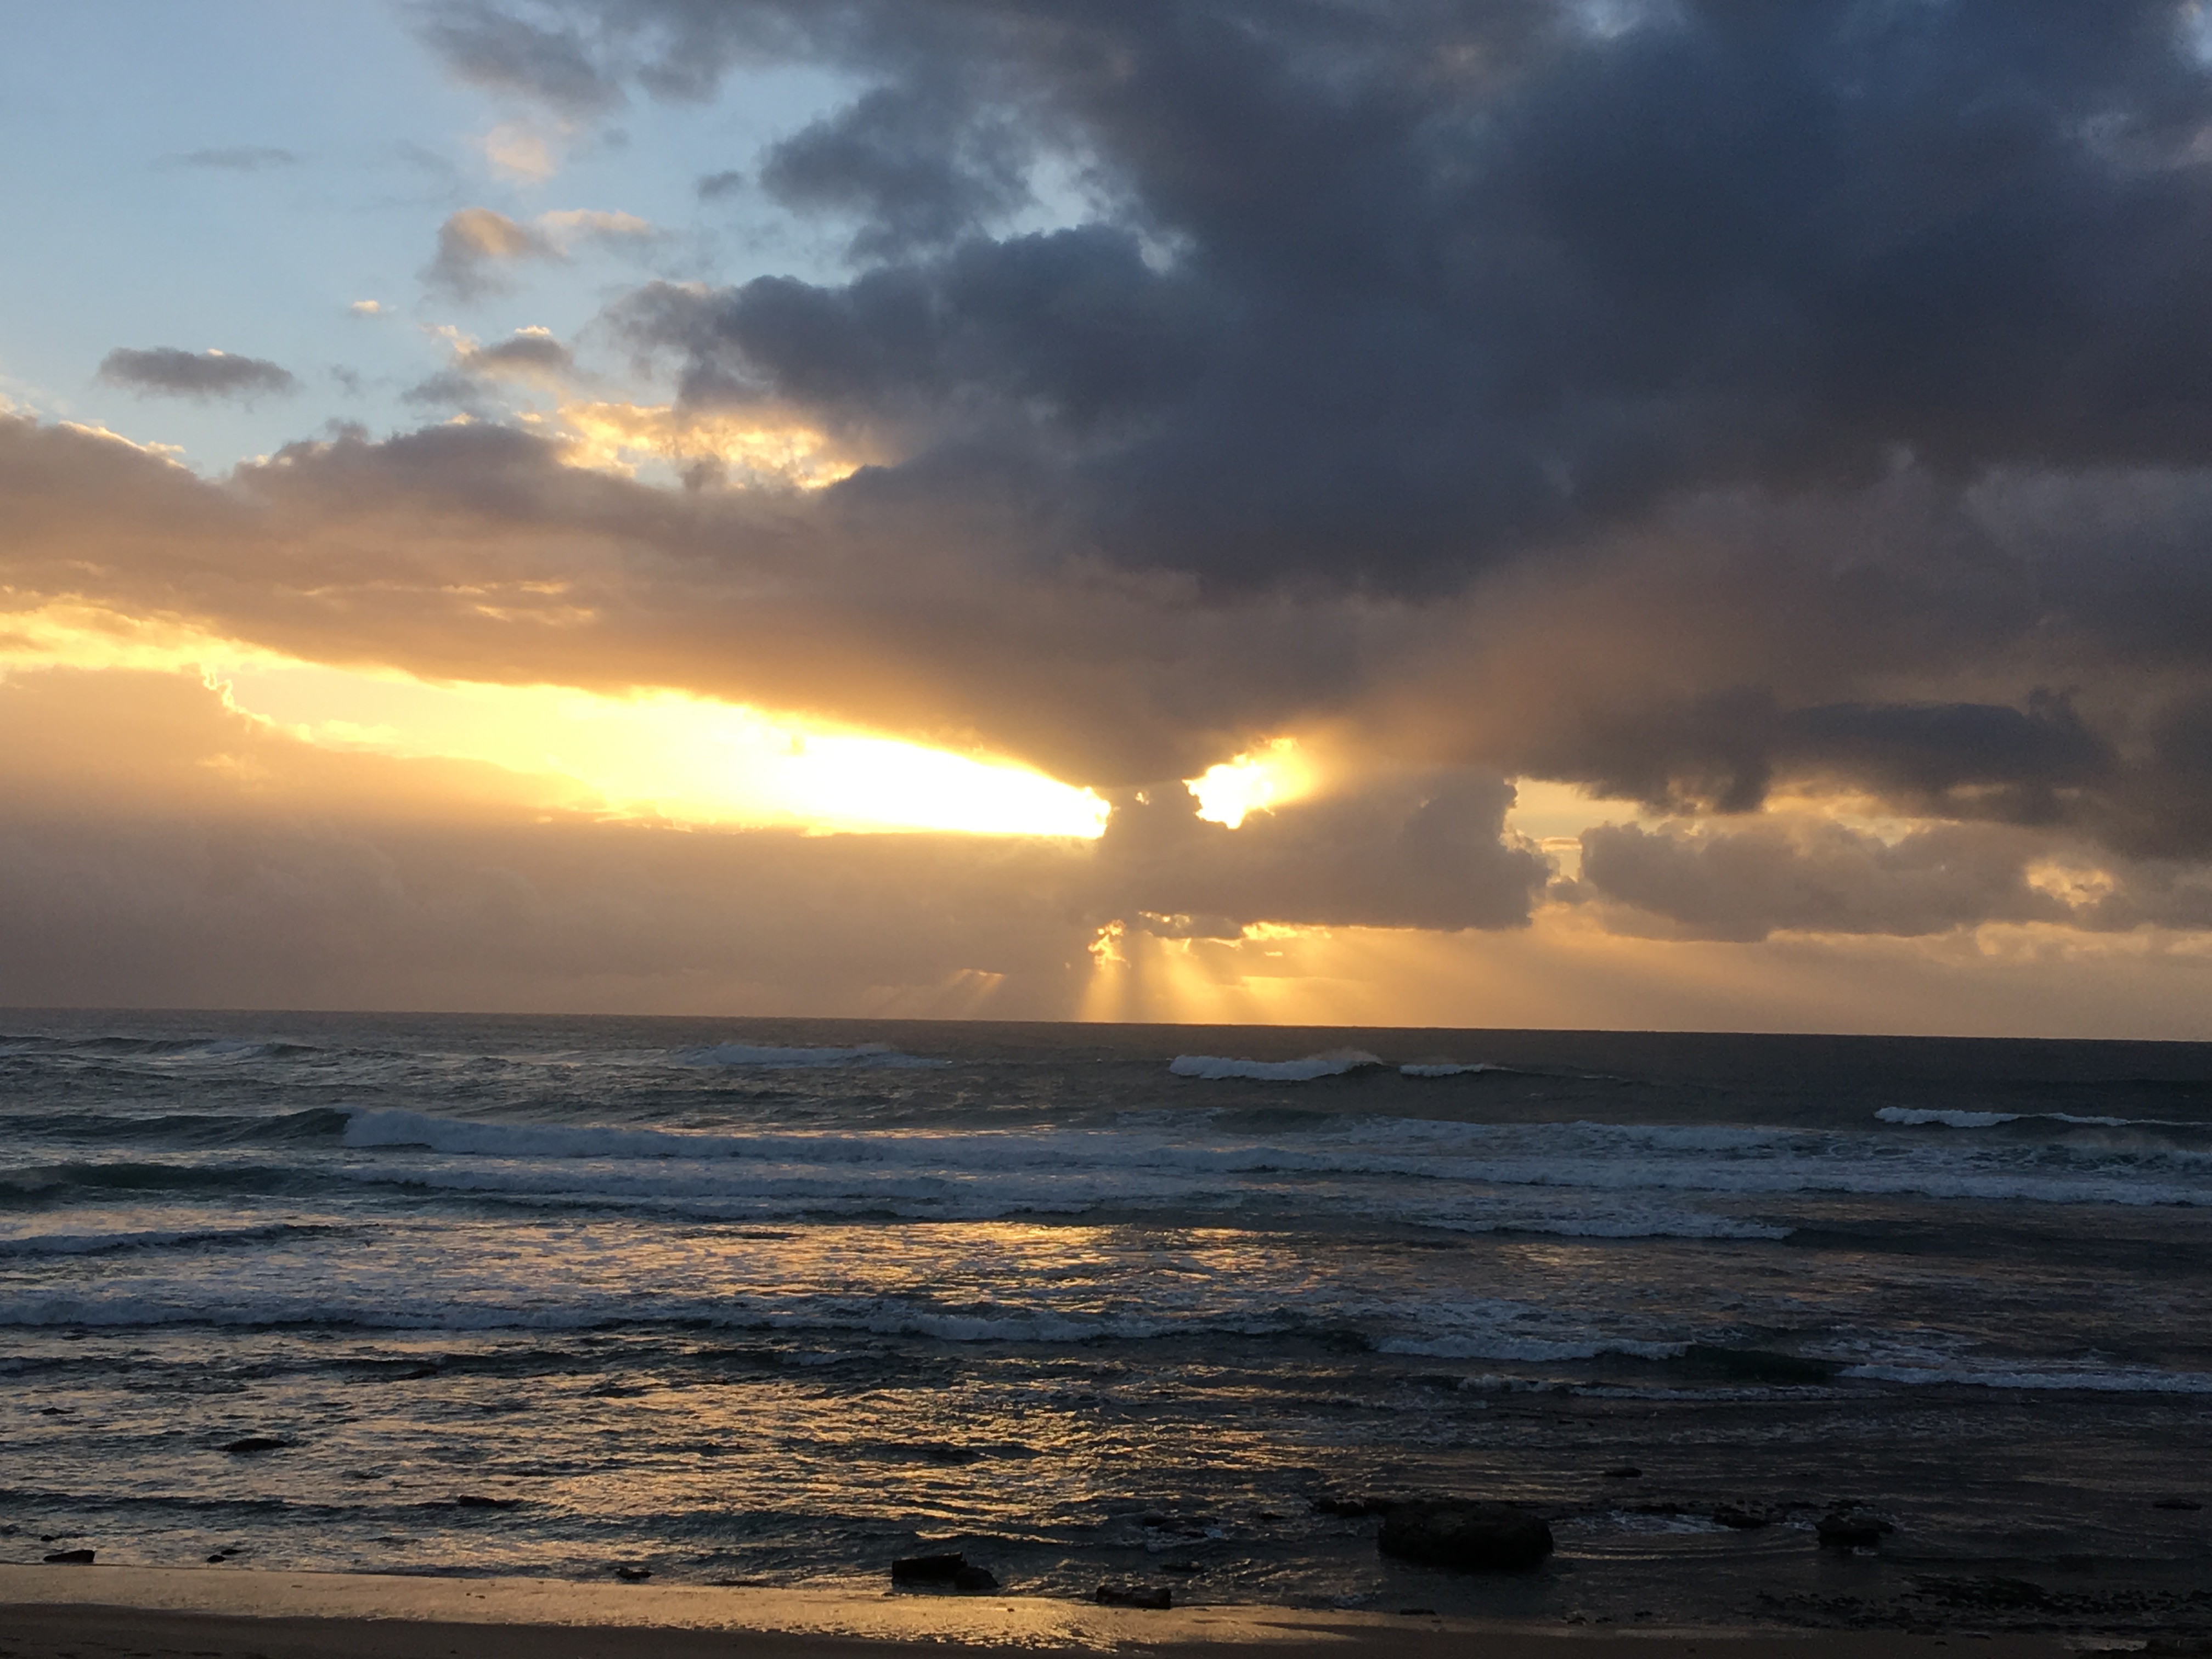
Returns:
(1214, 1067)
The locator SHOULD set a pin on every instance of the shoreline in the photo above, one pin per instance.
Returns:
(158, 1613)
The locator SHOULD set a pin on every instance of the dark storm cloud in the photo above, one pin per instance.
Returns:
(173, 373)
(1727, 402)
(1477, 277)
(914, 166)
(1420, 852)
(243, 158)
(1898, 304)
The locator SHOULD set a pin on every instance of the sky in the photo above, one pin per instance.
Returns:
(1632, 514)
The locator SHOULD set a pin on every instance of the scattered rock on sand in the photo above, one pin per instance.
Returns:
(1851, 1529)
(70, 1558)
(946, 1569)
(1466, 1537)
(254, 1443)
(1135, 1595)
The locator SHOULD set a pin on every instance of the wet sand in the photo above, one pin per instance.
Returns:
(129, 1613)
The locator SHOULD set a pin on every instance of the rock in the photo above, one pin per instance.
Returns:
(1728, 1514)
(1625, 1472)
(1851, 1529)
(1758, 1365)
(1135, 1595)
(254, 1443)
(212, 1560)
(70, 1558)
(2175, 1504)
(632, 1574)
(1475, 1537)
(947, 1569)
(1185, 1568)
(1354, 1509)
(471, 1501)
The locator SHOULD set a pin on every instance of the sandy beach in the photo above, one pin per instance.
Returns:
(78, 1613)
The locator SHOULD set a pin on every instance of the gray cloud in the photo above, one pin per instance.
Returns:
(1743, 400)
(174, 373)
(1418, 852)
(918, 167)
(1747, 882)
(242, 158)
(529, 356)
(474, 246)
(478, 247)
(1453, 314)
(1792, 874)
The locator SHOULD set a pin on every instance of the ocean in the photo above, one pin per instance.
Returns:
(778, 1301)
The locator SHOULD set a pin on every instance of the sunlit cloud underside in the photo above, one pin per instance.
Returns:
(661, 756)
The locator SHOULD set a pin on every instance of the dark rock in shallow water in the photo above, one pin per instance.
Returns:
(2176, 1504)
(947, 1569)
(1758, 1365)
(1851, 1529)
(1739, 1520)
(1354, 1509)
(631, 1575)
(1625, 1472)
(1135, 1595)
(70, 1558)
(1466, 1537)
(471, 1501)
(254, 1443)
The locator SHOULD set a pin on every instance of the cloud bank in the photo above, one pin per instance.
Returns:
(171, 372)
(1791, 423)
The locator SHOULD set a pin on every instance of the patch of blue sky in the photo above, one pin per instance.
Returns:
(124, 241)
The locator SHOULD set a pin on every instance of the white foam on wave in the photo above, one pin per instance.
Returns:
(1215, 1067)
(874, 1056)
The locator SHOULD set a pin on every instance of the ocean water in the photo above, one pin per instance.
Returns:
(778, 1301)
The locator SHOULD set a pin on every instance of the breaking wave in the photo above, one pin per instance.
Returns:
(1214, 1067)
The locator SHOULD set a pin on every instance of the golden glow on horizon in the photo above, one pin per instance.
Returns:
(658, 755)
(1272, 775)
